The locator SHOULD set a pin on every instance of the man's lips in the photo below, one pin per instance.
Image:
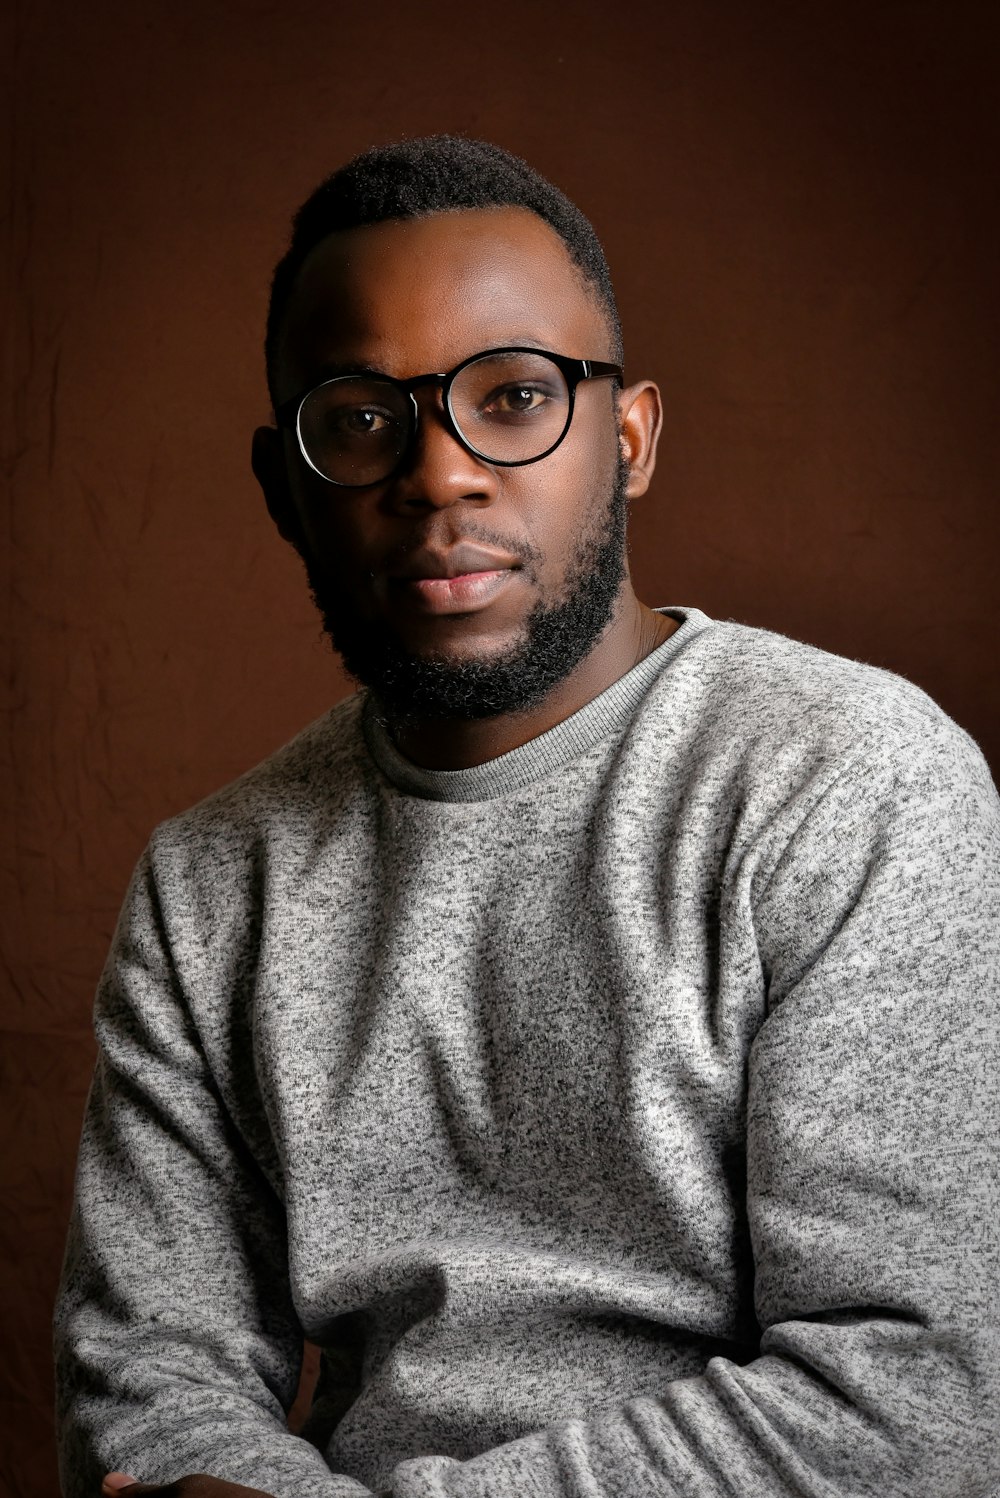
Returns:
(456, 595)
(461, 560)
(457, 581)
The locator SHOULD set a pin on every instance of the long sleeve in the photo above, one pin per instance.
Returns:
(177, 1345)
(873, 1126)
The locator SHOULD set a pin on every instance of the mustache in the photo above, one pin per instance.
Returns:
(444, 539)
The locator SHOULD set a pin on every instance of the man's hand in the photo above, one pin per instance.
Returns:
(197, 1485)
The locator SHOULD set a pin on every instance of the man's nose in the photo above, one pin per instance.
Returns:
(440, 471)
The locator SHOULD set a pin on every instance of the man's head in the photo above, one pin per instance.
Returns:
(455, 587)
(435, 174)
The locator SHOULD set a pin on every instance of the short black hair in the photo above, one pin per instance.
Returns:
(434, 174)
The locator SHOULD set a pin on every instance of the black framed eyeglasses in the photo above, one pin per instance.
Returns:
(508, 406)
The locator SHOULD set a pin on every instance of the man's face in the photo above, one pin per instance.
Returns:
(544, 543)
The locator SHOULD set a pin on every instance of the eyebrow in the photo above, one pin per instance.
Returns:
(333, 369)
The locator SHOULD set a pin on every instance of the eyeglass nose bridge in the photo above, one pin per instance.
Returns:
(444, 383)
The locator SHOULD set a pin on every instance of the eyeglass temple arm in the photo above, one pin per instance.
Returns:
(594, 369)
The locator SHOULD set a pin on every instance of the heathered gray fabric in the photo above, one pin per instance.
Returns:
(621, 1115)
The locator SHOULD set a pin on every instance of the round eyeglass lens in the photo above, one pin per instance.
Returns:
(354, 430)
(511, 407)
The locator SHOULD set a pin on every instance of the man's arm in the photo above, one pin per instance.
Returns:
(177, 1346)
(873, 1159)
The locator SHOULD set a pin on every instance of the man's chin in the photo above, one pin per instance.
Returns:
(478, 682)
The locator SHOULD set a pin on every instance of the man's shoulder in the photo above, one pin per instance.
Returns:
(759, 686)
(761, 717)
(307, 782)
(755, 740)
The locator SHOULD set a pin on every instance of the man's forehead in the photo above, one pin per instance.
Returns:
(405, 292)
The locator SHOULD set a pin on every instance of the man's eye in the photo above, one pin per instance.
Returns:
(359, 421)
(514, 400)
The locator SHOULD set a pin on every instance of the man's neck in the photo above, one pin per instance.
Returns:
(449, 744)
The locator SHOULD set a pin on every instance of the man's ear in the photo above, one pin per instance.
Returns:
(267, 459)
(641, 416)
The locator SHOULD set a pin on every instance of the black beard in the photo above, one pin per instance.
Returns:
(556, 638)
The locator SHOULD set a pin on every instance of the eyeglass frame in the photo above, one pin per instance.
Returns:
(573, 371)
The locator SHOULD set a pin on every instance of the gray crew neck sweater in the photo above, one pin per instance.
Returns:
(620, 1116)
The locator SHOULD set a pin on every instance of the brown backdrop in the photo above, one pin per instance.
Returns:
(800, 206)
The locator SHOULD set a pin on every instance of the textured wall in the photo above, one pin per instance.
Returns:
(800, 205)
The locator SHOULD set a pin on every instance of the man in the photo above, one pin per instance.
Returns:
(587, 1033)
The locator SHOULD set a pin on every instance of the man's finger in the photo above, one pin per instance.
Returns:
(115, 1481)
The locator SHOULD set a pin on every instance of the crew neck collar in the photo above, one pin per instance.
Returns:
(605, 714)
